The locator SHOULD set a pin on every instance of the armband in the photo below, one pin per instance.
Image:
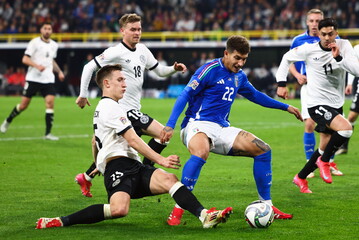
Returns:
(338, 58)
(282, 84)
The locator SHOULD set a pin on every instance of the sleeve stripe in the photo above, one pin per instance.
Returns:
(98, 65)
(124, 130)
(153, 67)
(207, 69)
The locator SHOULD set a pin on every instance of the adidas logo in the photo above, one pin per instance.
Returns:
(220, 81)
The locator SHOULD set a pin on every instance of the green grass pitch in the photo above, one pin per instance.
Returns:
(37, 180)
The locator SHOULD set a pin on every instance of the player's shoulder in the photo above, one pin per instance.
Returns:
(209, 68)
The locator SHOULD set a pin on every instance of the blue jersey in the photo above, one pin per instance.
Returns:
(298, 41)
(210, 94)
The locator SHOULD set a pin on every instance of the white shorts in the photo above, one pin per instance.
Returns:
(303, 101)
(222, 138)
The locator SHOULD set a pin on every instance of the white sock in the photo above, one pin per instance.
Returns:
(87, 177)
(203, 215)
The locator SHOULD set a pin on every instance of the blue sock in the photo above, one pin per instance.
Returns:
(191, 171)
(262, 171)
(309, 144)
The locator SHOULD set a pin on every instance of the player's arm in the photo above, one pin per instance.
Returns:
(302, 79)
(26, 59)
(345, 57)
(140, 146)
(253, 95)
(165, 71)
(57, 70)
(181, 102)
(86, 75)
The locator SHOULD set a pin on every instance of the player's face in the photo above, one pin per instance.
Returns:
(117, 85)
(312, 23)
(327, 35)
(46, 31)
(234, 61)
(131, 33)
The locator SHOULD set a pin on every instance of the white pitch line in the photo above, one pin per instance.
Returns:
(41, 138)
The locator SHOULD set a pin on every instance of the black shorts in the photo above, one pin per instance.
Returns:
(127, 175)
(31, 88)
(323, 115)
(140, 121)
(354, 107)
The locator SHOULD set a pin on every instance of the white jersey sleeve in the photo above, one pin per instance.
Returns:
(349, 62)
(110, 122)
(294, 55)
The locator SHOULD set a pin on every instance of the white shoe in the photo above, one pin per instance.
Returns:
(51, 137)
(334, 169)
(4, 126)
(311, 175)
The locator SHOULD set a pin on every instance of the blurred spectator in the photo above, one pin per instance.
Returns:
(15, 82)
(178, 15)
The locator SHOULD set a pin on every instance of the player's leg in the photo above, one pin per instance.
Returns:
(25, 102)
(309, 125)
(163, 182)
(247, 144)
(198, 146)
(85, 179)
(154, 130)
(310, 166)
(342, 132)
(196, 136)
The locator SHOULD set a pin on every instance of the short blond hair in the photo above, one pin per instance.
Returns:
(129, 18)
(315, 11)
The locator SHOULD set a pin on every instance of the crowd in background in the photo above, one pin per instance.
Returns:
(89, 16)
(68, 16)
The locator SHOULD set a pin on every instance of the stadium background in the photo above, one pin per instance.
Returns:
(189, 31)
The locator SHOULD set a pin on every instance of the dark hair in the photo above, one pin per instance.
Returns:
(129, 18)
(239, 44)
(328, 22)
(105, 72)
(46, 23)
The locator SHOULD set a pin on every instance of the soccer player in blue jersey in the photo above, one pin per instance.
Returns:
(298, 70)
(210, 94)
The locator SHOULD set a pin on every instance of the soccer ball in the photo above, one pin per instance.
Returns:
(259, 214)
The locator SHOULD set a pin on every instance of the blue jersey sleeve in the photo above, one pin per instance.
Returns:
(180, 104)
(253, 95)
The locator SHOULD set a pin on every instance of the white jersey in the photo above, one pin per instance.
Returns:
(110, 121)
(133, 62)
(325, 76)
(42, 53)
(350, 76)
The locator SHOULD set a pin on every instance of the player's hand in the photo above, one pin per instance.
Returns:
(40, 68)
(82, 102)
(282, 92)
(335, 49)
(166, 134)
(171, 161)
(348, 89)
(295, 111)
(180, 67)
(61, 76)
(95, 172)
(302, 79)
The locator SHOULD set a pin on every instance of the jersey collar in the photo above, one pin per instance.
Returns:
(129, 48)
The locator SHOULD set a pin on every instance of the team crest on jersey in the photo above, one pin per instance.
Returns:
(328, 116)
(143, 59)
(128, 60)
(123, 120)
(96, 113)
(144, 119)
(194, 84)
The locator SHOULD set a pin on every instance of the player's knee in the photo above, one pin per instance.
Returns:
(345, 133)
(119, 212)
